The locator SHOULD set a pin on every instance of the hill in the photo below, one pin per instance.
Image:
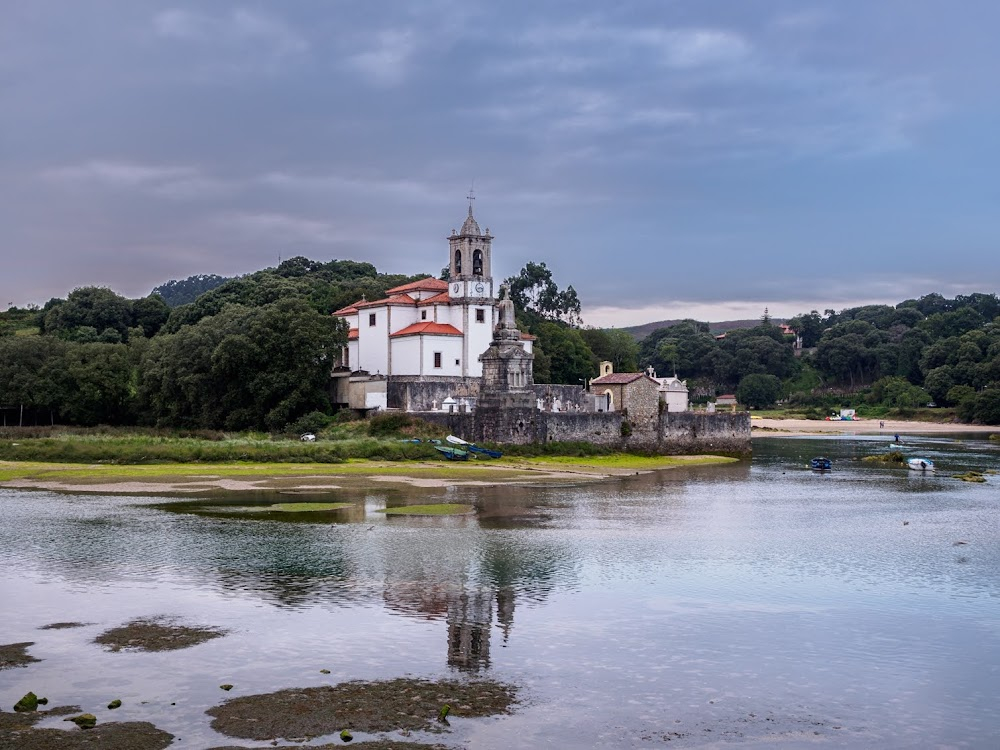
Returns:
(641, 332)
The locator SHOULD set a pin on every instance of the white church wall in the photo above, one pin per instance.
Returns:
(406, 358)
(373, 352)
(450, 348)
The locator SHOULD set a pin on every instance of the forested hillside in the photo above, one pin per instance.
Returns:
(932, 349)
(252, 353)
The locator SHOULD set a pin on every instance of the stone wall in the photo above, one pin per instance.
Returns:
(674, 433)
(701, 432)
(426, 393)
(570, 397)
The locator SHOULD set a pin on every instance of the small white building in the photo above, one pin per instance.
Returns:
(673, 391)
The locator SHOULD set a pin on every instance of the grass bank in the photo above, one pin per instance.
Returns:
(147, 449)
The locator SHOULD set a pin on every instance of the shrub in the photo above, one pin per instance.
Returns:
(388, 423)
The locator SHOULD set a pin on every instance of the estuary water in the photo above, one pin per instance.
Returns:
(756, 604)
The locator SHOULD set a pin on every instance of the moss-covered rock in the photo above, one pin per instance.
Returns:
(28, 703)
(971, 476)
(84, 721)
(115, 704)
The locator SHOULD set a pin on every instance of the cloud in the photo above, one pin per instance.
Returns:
(286, 228)
(239, 42)
(388, 61)
(672, 47)
(173, 181)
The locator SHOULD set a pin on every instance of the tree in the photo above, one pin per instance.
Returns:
(809, 326)
(758, 391)
(176, 293)
(614, 346)
(91, 306)
(570, 359)
(537, 296)
(243, 368)
(28, 369)
(983, 407)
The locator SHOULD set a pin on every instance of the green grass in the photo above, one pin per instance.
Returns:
(631, 461)
(145, 449)
(32, 331)
(440, 509)
(302, 507)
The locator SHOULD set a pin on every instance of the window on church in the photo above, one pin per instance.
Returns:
(477, 263)
(458, 261)
(480, 315)
(437, 359)
(371, 319)
(423, 315)
(458, 362)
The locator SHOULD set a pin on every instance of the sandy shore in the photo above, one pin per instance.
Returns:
(792, 427)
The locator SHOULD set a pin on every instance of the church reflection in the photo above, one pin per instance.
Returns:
(485, 583)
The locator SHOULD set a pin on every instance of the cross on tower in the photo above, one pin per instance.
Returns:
(471, 196)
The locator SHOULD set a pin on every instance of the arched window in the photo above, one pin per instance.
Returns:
(458, 261)
(477, 263)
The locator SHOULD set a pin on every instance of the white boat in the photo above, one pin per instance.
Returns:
(456, 440)
(920, 464)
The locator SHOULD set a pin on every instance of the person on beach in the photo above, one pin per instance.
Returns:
(881, 425)
(895, 438)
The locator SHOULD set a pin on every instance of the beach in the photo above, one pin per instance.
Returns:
(765, 427)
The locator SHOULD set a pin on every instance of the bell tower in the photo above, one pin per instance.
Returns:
(470, 262)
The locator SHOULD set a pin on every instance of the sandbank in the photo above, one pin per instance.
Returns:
(772, 427)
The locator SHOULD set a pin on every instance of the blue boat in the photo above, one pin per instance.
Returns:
(489, 452)
(820, 463)
(452, 454)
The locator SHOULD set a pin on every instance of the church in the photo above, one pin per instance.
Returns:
(425, 332)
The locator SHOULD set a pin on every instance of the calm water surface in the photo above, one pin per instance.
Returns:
(756, 604)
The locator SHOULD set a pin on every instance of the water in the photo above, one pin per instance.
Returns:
(757, 604)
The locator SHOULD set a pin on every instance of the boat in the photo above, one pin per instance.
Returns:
(820, 463)
(488, 452)
(452, 454)
(920, 464)
(456, 440)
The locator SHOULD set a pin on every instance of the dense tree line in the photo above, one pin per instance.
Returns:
(255, 351)
(921, 350)
(250, 352)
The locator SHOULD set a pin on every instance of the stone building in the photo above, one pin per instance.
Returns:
(634, 393)
(508, 379)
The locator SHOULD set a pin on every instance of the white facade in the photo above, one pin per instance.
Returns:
(430, 327)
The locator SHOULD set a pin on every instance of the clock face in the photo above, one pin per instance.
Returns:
(479, 288)
(456, 288)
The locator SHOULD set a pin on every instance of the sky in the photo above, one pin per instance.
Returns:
(666, 158)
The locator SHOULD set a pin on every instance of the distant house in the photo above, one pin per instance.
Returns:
(727, 399)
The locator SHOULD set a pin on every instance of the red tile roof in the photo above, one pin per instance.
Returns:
(427, 327)
(430, 284)
(528, 337)
(618, 378)
(349, 310)
(438, 299)
(396, 299)
(352, 334)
